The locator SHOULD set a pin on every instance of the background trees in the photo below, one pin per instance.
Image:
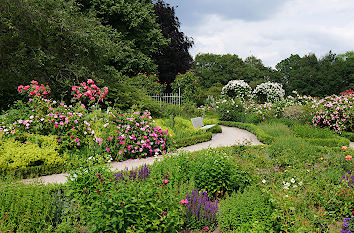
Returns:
(309, 75)
(174, 58)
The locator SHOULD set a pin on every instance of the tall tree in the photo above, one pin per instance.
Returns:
(309, 75)
(174, 58)
(136, 24)
(213, 68)
(50, 41)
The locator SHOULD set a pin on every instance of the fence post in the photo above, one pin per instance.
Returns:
(179, 96)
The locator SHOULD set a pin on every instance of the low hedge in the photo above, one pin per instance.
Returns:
(348, 135)
(267, 139)
(182, 142)
(261, 135)
(215, 129)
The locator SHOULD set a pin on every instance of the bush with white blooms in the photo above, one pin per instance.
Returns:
(236, 88)
(269, 92)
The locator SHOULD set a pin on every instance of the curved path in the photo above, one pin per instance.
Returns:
(229, 136)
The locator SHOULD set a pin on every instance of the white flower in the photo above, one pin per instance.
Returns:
(292, 180)
(300, 183)
(264, 181)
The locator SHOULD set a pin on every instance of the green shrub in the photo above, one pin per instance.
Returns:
(183, 142)
(348, 135)
(216, 173)
(276, 129)
(249, 211)
(29, 207)
(37, 153)
(120, 203)
(308, 131)
(295, 112)
(231, 110)
(292, 151)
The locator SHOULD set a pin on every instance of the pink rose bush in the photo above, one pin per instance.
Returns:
(335, 112)
(114, 134)
(88, 92)
(34, 89)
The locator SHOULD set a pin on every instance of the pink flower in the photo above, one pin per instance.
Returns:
(19, 88)
(206, 228)
(110, 138)
(348, 157)
(344, 147)
(165, 181)
(184, 201)
(56, 126)
(107, 149)
(90, 81)
(77, 140)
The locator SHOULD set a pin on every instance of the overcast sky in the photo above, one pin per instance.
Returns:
(271, 30)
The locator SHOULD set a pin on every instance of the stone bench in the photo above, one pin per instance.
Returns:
(198, 123)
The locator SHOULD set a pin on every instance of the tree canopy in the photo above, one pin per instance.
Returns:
(54, 42)
(309, 75)
(174, 58)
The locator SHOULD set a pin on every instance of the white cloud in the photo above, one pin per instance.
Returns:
(298, 27)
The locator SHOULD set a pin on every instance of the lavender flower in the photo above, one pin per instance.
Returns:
(200, 209)
(133, 175)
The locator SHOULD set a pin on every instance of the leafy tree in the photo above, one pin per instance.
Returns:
(174, 58)
(51, 42)
(136, 24)
(213, 68)
(309, 75)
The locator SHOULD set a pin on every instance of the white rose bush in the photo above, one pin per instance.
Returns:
(269, 92)
(237, 88)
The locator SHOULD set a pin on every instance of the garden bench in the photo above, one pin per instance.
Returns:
(198, 123)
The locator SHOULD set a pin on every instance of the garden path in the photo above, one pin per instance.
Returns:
(229, 136)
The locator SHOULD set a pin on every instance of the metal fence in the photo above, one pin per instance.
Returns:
(169, 98)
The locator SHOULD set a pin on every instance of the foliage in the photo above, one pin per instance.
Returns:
(137, 26)
(174, 58)
(269, 92)
(333, 72)
(192, 140)
(150, 83)
(292, 151)
(29, 207)
(335, 112)
(236, 88)
(189, 85)
(31, 154)
(218, 174)
(248, 211)
(118, 202)
(261, 135)
(52, 42)
(124, 95)
(201, 211)
(231, 110)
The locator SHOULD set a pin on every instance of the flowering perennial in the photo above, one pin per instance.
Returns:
(335, 112)
(88, 91)
(269, 92)
(34, 89)
(200, 209)
(236, 88)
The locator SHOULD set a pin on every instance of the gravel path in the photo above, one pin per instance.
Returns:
(351, 145)
(229, 136)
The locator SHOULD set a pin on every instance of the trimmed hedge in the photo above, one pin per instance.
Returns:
(348, 135)
(261, 135)
(182, 142)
